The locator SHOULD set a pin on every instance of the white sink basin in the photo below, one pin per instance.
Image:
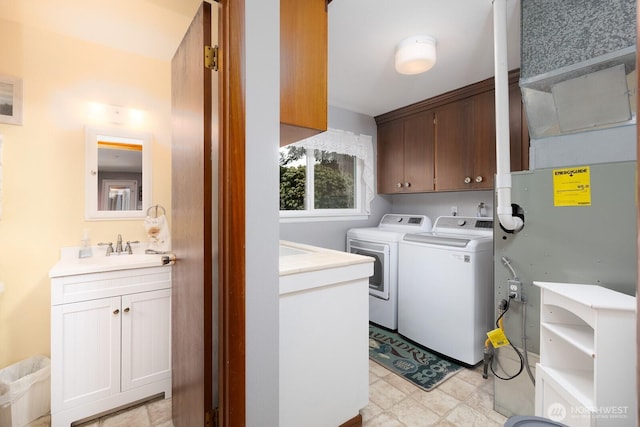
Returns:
(288, 251)
(68, 266)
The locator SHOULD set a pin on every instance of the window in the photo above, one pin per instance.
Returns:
(324, 177)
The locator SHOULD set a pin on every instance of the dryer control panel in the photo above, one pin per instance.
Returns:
(464, 225)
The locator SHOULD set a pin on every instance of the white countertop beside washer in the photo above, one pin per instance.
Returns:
(319, 267)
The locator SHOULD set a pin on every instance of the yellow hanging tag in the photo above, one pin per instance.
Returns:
(498, 338)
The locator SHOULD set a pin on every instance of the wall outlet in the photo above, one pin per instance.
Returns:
(515, 290)
(454, 211)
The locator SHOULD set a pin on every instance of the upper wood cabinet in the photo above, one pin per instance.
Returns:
(303, 69)
(464, 138)
(453, 162)
(465, 143)
(405, 154)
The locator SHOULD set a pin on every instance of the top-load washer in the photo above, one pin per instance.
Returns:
(445, 293)
(381, 243)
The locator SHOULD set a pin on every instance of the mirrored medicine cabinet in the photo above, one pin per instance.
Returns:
(118, 174)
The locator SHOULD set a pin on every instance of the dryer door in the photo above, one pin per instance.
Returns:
(379, 282)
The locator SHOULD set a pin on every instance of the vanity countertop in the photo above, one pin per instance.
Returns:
(70, 265)
(298, 258)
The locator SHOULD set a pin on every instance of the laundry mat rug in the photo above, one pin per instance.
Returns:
(409, 360)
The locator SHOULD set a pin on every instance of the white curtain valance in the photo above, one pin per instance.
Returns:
(343, 142)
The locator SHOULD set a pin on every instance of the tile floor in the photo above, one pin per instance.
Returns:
(465, 399)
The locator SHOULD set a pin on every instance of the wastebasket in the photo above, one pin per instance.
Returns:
(25, 391)
(531, 421)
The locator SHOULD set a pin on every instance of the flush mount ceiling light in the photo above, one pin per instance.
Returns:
(416, 55)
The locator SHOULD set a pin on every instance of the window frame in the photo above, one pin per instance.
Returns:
(312, 214)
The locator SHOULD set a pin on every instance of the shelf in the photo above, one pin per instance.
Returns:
(587, 341)
(578, 384)
(578, 336)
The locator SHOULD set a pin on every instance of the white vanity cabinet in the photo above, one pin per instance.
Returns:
(586, 375)
(110, 340)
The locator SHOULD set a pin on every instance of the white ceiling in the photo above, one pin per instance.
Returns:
(363, 35)
(362, 39)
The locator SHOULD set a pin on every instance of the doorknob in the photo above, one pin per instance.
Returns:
(116, 311)
(467, 180)
(479, 178)
(169, 259)
(126, 310)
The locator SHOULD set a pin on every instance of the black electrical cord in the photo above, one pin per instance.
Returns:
(506, 308)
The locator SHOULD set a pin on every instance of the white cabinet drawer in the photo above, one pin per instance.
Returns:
(84, 287)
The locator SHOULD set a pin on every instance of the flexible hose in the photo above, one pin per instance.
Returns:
(524, 343)
(507, 262)
(499, 324)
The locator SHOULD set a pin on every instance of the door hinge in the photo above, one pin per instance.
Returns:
(211, 57)
(211, 419)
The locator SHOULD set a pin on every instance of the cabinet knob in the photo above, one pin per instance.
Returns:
(399, 185)
(407, 184)
(126, 310)
(479, 178)
(467, 180)
(116, 311)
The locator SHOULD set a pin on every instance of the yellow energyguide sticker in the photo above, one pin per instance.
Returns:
(498, 338)
(572, 186)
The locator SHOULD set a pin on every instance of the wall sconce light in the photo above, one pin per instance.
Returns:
(99, 114)
(416, 55)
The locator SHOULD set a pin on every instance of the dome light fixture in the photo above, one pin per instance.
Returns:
(415, 55)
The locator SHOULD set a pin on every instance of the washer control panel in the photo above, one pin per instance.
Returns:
(464, 225)
(407, 223)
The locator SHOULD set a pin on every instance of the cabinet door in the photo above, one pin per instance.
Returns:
(453, 146)
(85, 352)
(390, 157)
(146, 338)
(418, 153)
(484, 140)
(303, 69)
(519, 132)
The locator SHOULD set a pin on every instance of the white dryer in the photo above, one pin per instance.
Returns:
(445, 292)
(381, 243)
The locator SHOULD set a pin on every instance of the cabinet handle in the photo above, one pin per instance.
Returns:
(399, 185)
(116, 311)
(467, 180)
(479, 178)
(126, 310)
(407, 184)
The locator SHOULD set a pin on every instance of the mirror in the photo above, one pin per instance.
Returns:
(118, 174)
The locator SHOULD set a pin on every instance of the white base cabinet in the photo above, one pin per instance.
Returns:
(110, 341)
(324, 331)
(586, 375)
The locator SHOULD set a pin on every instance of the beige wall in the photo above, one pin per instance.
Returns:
(43, 165)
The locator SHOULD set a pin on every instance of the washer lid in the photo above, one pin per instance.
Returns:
(433, 239)
(375, 234)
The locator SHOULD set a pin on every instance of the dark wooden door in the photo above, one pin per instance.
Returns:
(193, 214)
(452, 144)
(390, 157)
(418, 152)
(483, 159)
(519, 131)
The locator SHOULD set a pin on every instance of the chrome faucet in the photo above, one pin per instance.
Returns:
(119, 244)
(109, 246)
(128, 249)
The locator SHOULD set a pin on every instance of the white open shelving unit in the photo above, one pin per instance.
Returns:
(587, 370)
